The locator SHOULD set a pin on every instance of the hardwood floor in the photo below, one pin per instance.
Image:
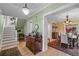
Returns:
(50, 52)
(23, 49)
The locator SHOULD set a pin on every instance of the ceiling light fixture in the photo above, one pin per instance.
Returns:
(26, 10)
(67, 20)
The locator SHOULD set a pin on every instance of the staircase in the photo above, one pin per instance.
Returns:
(9, 39)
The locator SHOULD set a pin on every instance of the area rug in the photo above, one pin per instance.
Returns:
(72, 52)
(10, 52)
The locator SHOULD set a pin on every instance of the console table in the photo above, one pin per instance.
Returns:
(34, 44)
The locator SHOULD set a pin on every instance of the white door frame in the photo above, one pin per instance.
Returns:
(45, 26)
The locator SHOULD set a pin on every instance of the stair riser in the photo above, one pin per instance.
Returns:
(8, 33)
(9, 37)
(5, 38)
(9, 42)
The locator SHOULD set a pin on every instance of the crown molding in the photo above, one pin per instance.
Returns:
(39, 10)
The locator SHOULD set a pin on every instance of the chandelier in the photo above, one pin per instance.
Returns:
(67, 20)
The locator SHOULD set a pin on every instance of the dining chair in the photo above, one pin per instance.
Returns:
(75, 40)
(69, 35)
(78, 39)
(64, 41)
(70, 40)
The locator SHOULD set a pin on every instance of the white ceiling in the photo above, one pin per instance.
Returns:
(60, 16)
(15, 9)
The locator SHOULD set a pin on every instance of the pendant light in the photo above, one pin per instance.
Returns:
(26, 10)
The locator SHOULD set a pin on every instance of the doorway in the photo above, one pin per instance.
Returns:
(46, 32)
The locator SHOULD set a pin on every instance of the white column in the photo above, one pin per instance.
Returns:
(45, 35)
(0, 41)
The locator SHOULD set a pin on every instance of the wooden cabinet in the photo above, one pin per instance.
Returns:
(54, 35)
(34, 44)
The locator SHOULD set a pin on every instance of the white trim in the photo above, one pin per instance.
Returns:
(58, 9)
(0, 42)
(43, 35)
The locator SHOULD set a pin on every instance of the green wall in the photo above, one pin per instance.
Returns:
(20, 24)
(41, 13)
(1, 26)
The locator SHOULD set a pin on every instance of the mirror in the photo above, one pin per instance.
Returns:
(36, 27)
